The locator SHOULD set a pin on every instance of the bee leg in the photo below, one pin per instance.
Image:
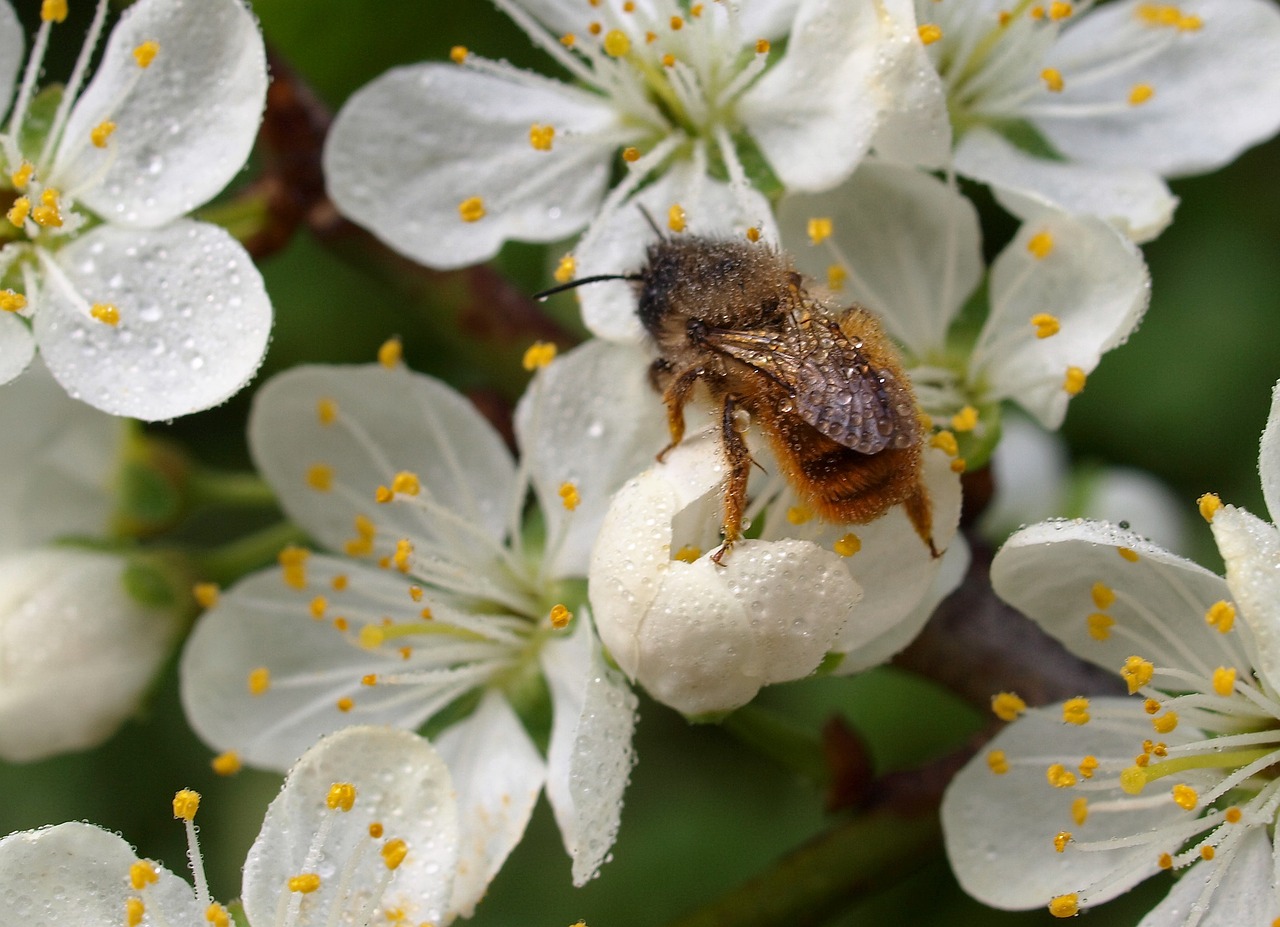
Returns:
(920, 512)
(675, 396)
(739, 461)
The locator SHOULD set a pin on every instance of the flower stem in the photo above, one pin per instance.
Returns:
(226, 564)
(781, 740)
(230, 490)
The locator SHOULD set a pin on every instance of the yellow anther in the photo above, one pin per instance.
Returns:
(358, 547)
(631, 154)
(146, 53)
(141, 874)
(326, 411)
(1160, 749)
(929, 33)
(259, 680)
(569, 497)
(372, 637)
(375, 830)
(1088, 766)
(595, 28)
(1190, 22)
(415, 593)
(1136, 673)
(568, 40)
(19, 211)
(650, 38)
(1060, 777)
(1141, 93)
(1185, 797)
(226, 764)
(1209, 504)
(205, 594)
(541, 137)
(390, 353)
(48, 214)
(394, 852)
(560, 617)
(345, 704)
(1164, 861)
(404, 550)
(217, 915)
(1102, 594)
(1065, 905)
(1233, 815)
(1224, 681)
(798, 515)
(538, 355)
(293, 564)
(406, 651)
(1080, 811)
(340, 582)
(1007, 706)
(1075, 711)
(320, 477)
(762, 46)
(1060, 9)
(945, 441)
(753, 234)
(341, 796)
(668, 60)
(105, 313)
(1127, 553)
(616, 43)
(677, 23)
(340, 623)
(836, 276)
(365, 527)
(471, 209)
(1151, 706)
(676, 218)
(100, 133)
(566, 269)
(1046, 325)
(1073, 382)
(997, 762)
(629, 6)
(1061, 839)
(1099, 626)
(1206, 852)
(819, 229)
(1052, 78)
(1221, 615)
(185, 804)
(1041, 245)
(134, 909)
(957, 465)
(22, 176)
(458, 53)
(369, 679)
(1165, 723)
(848, 545)
(1037, 12)
(965, 420)
(319, 605)
(304, 884)
(696, 10)
(53, 11)
(406, 483)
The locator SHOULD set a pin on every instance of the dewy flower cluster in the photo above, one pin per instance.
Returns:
(509, 583)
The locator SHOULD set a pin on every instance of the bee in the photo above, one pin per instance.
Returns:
(824, 384)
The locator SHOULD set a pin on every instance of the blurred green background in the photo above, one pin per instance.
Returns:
(1186, 399)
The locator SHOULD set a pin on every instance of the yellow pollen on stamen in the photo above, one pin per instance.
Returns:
(1164, 861)
(372, 637)
(304, 884)
(217, 915)
(390, 353)
(105, 313)
(185, 804)
(226, 764)
(541, 137)
(1166, 723)
(406, 483)
(1061, 839)
(1052, 78)
(1073, 382)
(538, 355)
(1141, 93)
(146, 53)
(1080, 810)
(676, 23)
(819, 229)
(369, 679)
(1136, 673)
(676, 218)
(1224, 681)
(205, 594)
(965, 420)
(142, 874)
(848, 545)
(394, 852)
(293, 564)
(631, 154)
(22, 176)
(595, 28)
(318, 607)
(929, 33)
(1209, 504)
(1040, 245)
(668, 60)
(1007, 705)
(134, 909)
(415, 593)
(259, 680)
(798, 515)
(340, 582)
(1065, 905)
(569, 497)
(1233, 815)
(836, 276)
(1060, 9)
(1046, 325)
(997, 762)
(696, 10)
(404, 550)
(326, 411)
(53, 11)
(1102, 594)
(1151, 706)
(1206, 853)
(945, 441)
(1037, 12)
(1075, 711)
(1127, 553)
(19, 211)
(616, 43)
(376, 830)
(471, 209)
(341, 796)
(1099, 626)
(566, 269)
(1088, 766)
(345, 704)
(957, 465)
(1221, 615)
(100, 133)
(568, 40)
(47, 214)
(560, 617)
(458, 53)
(320, 477)
(762, 46)
(1060, 777)
(753, 234)
(1185, 797)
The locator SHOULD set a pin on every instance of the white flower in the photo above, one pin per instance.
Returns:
(444, 163)
(1077, 803)
(1089, 106)
(456, 601)
(135, 309)
(365, 824)
(1066, 290)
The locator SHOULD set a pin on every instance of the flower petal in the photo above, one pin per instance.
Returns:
(11, 52)
(592, 420)
(402, 785)
(910, 244)
(408, 149)
(77, 875)
(17, 346)
(1217, 88)
(1244, 886)
(361, 425)
(1251, 549)
(1133, 199)
(185, 124)
(1269, 457)
(1051, 571)
(590, 757)
(194, 319)
(1092, 281)
(497, 774)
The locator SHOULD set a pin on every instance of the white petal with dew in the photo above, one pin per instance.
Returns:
(999, 829)
(77, 652)
(386, 421)
(497, 775)
(1049, 571)
(590, 757)
(185, 124)
(11, 53)
(1251, 550)
(1133, 199)
(1093, 281)
(916, 128)
(17, 346)
(77, 875)
(1269, 457)
(911, 246)
(407, 149)
(194, 319)
(590, 419)
(1244, 891)
(400, 783)
(262, 622)
(1217, 88)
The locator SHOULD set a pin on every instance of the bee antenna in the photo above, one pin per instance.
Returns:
(649, 218)
(572, 284)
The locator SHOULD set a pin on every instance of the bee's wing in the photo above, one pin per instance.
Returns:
(835, 387)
